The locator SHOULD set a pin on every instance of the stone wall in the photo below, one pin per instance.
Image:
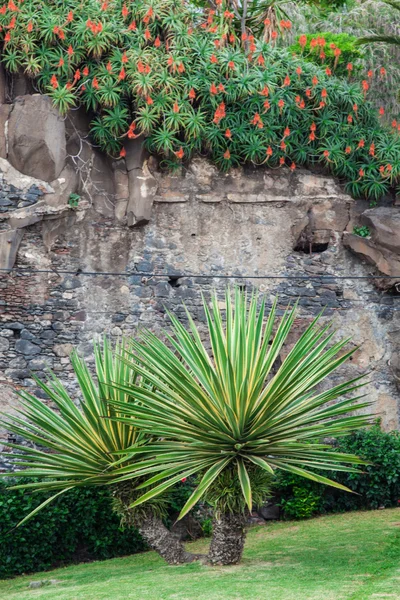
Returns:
(96, 268)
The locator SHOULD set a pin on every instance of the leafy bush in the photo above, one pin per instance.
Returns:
(186, 82)
(78, 526)
(378, 485)
(362, 231)
(336, 51)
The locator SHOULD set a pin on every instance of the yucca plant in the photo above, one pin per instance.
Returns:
(71, 446)
(223, 415)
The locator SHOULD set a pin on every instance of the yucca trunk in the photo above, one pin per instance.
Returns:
(229, 536)
(160, 539)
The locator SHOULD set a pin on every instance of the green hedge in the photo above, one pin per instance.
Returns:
(79, 526)
(378, 485)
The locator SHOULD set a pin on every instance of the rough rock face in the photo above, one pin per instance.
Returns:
(382, 248)
(36, 138)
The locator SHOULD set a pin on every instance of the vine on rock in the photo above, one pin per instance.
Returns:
(184, 79)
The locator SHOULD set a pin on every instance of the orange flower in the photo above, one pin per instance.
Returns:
(213, 59)
(265, 91)
(140, 66)
(361, 144)
(267, 105)
(125, 11)
(326, 153)
(348, 150)
(293, 166)
(269, 151)
(227, 155)
(149, 100)
(350, 119)
(313, 127)
(382, 71)
(355, 108)
(299, 71)
(122, 153)
(381, 111)
(124, 58)
(77, 75)
(228, 134)
(231, 64)
(95, 83)
(29, 27)
(324, 93)
(349, 67)
(85, 71)
(311, 137)
(328, 71)
(157, 42)
(286, 132)
(282, 145)
(60, 62)
(394, 123)
(122, 74)
(175, 107)
(260, 60)
(213, 89)
(54, 82)
(219, 113)
(315, 80)
(372, 149)
(109, 67)
(308, 93)
(132, 26)
(68, 85)
(370, 74)
(274, 35)
(11, 6)
(181, 68)
(302, 104)
(282, 160)
(267, 22)
(286, 81)
(281, 104)
(192, 94)
(7, 37)
(70, 16)
(221, 88)
(361, 172)
(180, 153)
(147, 34)
(70, 50)
(365, 85)
(337, 52)
(303, 41)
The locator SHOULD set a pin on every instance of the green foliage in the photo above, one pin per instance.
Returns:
(225, 493)
(188, 83)
(215, 411)
(73, 200)
(378, 485)
(302, 504)
(362, 231)
(323, 49)
(81, 526)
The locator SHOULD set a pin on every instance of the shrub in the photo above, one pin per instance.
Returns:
(378, 485)
(188, 84)
(78, 526)
(327, 55)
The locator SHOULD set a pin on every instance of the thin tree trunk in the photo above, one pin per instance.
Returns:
(229, 536)
(165, 543)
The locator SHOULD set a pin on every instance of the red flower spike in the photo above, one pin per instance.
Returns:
(348, 150)
(157, 42)
(77, 75)
(213, 89)
(122, 153)
(313, 127)
(382, 72)
(124, 58)
(293, 166)
(213, 59)
(315, 80)
(7, 37)
(267, 105)
(132, 26)
(269, 151)
(70, 16)
(361, 172)
(282, 145)
(183, 479)
(326, 153)
(180, 153)
(70, 50)
(361, 144)
(311, 137)
(381, 111)
(372, 149)
(125, 11)
(286, 132)
(175, 107)
(231, 64)
(370, 74)
(228, 134)
(54, 82)
(85, 71)
(303, 41)
(122, 74)
(282, 160)
(286, 81)
(274, 35)
(95, 83)
(149, 100)
(147, 34)
(350, 119)
(328, 71)
(192, 94)
(227, 155)
(29, 27)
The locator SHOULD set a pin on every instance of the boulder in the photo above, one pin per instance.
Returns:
(63, 186)
(9, 244)
(36, 138)
(382, 248)
(384, 225)
(5, 110)
(23, 217)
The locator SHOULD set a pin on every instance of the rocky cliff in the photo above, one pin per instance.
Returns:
(89, 245)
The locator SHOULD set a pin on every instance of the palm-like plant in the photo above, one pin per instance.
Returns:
(224, 416)
(387, 39)
(71, 446)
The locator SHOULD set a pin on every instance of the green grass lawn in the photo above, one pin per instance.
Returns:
(355, 556)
